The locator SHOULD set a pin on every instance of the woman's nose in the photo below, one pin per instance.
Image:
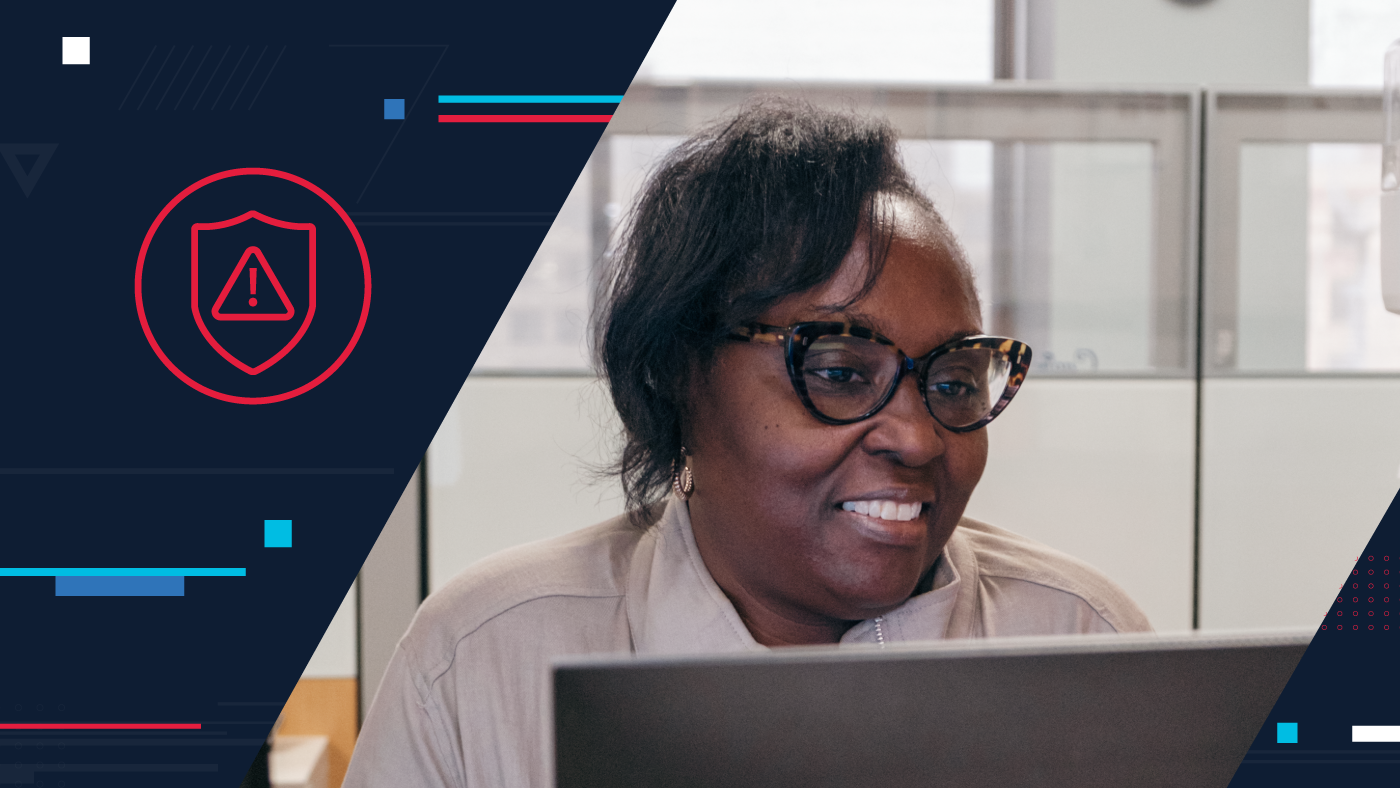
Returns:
(904, 430)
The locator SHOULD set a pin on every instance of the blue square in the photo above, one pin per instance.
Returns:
(1288, 733)
(277, 533)
(393, 109)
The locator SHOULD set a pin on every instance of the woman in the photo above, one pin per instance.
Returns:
(793, 343)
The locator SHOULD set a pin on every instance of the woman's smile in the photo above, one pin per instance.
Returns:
(887, 521)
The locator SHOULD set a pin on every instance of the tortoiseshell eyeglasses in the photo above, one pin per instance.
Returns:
(845, 373)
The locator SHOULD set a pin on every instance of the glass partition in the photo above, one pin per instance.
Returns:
(544, 327)
(1292, 229)
(1309, 296)
(1348, 326)
(1076, 269)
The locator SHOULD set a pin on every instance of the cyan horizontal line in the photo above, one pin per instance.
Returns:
(529, 99)
(123, 572)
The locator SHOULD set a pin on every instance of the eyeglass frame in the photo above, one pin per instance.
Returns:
(1017, 351)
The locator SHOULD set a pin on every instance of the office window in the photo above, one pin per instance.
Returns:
(1349, 38)
(1348, 326)
(824, 40)
(1309, 261)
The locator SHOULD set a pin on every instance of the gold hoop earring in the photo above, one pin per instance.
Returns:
(682, 480)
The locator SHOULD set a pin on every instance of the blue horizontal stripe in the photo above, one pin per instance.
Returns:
(124, 572)
(119, 586)
(529, 99)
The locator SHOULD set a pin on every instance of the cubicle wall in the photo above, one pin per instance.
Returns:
(1300, 397)
(1225, 491)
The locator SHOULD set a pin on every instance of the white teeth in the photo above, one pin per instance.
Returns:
(884, 510)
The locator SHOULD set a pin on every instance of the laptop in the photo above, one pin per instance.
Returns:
(1133, 710)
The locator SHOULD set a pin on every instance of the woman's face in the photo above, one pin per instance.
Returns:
(771, 480)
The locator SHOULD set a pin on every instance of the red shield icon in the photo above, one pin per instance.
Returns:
(253, 287)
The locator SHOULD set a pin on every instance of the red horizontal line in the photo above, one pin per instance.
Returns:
(99, 726)
(524, 118)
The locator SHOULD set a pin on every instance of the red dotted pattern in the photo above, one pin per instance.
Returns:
(1364, 601)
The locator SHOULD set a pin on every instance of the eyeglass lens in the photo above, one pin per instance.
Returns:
(846, 377)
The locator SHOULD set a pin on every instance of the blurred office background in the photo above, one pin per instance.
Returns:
(1175, 202)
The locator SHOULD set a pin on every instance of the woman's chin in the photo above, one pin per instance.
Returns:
(880, 594)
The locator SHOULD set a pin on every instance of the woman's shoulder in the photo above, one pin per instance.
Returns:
(1020, 565)
(528, 581)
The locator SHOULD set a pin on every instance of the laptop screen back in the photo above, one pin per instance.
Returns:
(1087, 711)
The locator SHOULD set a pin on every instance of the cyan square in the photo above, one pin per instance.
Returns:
(1288, 733)
(393, 109)
(277, 533)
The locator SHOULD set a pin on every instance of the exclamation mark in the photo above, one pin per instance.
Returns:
(253, 285)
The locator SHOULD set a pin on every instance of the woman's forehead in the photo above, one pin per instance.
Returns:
(924, 289)
(899, 226)
(909, 221)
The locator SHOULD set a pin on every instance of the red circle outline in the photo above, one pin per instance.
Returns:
(141, 264)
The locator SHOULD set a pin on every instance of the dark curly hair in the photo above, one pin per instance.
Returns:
(753, 208)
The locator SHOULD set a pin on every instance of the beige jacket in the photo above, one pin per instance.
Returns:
(466, 699)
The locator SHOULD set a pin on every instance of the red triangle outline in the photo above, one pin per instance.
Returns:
(253, 251)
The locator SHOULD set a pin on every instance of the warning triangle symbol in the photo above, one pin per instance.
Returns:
(11, 152)
(254, 285)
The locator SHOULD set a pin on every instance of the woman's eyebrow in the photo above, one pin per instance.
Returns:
(844, 313)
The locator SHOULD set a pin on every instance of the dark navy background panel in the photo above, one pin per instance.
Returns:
(108, 461)
(1345, 680)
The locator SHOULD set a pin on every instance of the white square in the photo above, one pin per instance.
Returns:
(77, 51)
